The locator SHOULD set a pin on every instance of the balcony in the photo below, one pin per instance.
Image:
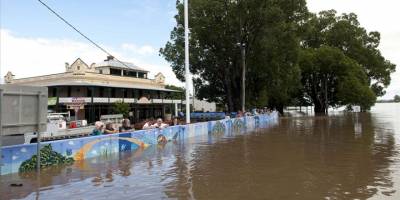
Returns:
(86, 100)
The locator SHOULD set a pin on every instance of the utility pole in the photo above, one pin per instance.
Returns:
(187, 75)
(243, 52)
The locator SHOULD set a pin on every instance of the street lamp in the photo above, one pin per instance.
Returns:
(187, 75)
(243, 53)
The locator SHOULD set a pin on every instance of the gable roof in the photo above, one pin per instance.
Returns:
(111, 62)
(79, 60)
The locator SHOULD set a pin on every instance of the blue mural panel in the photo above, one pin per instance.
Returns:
(142, 141)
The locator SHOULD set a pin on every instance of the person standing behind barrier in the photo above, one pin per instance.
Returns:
(109, 129)
(98, 129)
(159, 124)
(147, 125)
(239, 114)
(174, 122)
(126, 126)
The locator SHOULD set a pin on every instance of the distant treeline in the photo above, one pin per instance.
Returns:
(396, 99)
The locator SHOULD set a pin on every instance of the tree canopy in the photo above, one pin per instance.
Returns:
(175, 95)
(121, 107)
(292, 55)
(330, 78)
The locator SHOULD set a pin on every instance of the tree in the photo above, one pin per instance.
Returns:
(121, 108)
(396, 98)
(269, 31)
(175, 95)
(345, 33)
(291, 55)
(330, 78)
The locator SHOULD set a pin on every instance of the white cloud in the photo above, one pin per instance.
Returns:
(142, 50)
(381, 16)
(26, 57)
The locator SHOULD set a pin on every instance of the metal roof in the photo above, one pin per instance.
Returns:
(116, 64)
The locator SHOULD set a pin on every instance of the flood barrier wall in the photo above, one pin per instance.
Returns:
(20, 158)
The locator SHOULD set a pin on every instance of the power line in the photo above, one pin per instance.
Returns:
(83, 35)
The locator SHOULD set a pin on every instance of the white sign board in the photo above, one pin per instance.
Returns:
(23, 109)
(356, 108)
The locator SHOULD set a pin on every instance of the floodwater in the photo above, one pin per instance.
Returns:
(343, 156)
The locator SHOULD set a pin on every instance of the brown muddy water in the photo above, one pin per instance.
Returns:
(336, 157)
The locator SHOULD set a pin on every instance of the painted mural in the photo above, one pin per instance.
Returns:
(48, 157)
(22, 158)
(238, 125)
(218, 129)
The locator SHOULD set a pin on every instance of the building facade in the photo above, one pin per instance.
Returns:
(90, 91)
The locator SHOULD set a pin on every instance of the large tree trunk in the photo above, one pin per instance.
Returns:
(228, 90)
(280, 109)
(320, 108)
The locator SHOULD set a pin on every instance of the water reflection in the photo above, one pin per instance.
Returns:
(336, 157)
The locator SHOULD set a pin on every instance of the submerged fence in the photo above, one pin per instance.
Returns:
(20, 158)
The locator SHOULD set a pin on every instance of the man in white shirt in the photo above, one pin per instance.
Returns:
(159, 124)
(147, 125)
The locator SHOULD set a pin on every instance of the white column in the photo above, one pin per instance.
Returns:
(176, 109)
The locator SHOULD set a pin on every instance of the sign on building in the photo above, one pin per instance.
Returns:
(76, 104)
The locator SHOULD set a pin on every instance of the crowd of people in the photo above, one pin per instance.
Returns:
(126, 126)
(253, 112)
(102, 128)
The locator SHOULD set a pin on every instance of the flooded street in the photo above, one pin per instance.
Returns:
(338, 157)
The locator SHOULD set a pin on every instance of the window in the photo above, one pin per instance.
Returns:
(69, 91)
(135, 93)
(113, 92)
(125, 93)
(115, 72)
(54, 91)
(89, 91)
(141, 75)
(79, 68)
(100, 71)
(101, 92)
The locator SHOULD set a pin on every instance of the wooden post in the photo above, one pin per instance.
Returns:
(1, 130)
(38, 134)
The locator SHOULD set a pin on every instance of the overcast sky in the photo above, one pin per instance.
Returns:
(34, 42)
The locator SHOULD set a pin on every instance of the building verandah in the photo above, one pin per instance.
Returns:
(98, 100)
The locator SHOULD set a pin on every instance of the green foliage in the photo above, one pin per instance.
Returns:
(396, 98)
(345, 33)
(175, 95)
(48, 157)
(330, 78)
(121, 108)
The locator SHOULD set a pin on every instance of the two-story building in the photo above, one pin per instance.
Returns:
(89, 91)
